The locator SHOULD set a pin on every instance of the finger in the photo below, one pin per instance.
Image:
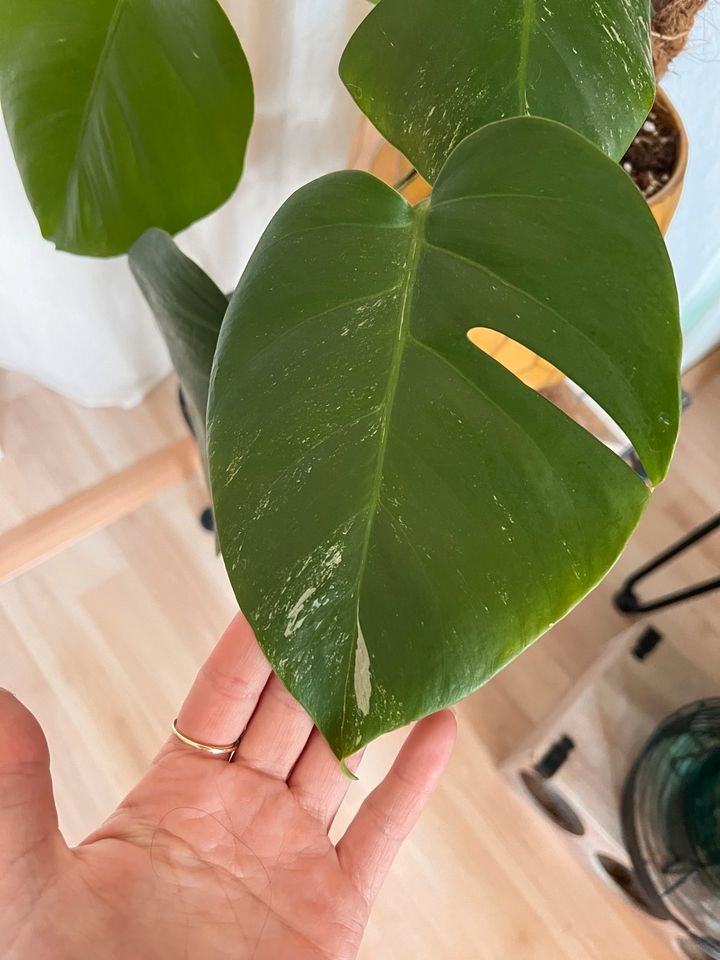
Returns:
(391, 811)
(28, 817)
(277, 732)
(317, 780)
(227, 688)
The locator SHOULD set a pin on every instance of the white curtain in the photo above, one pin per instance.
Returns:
(80, 325)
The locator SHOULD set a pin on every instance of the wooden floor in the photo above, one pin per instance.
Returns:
(102, 640)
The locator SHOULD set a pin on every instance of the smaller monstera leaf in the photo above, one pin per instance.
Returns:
(399, 515)
(429, 73)
(189, 311)
(123, 114)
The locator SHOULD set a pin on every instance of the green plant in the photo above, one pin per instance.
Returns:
(123, 114)
(398, 514)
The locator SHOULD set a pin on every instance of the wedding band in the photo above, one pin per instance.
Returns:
(216, 750)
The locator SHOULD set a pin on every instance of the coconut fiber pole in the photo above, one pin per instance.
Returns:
(671, 26)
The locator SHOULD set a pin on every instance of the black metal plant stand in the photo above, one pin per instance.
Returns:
(206, 518)
(627, 601)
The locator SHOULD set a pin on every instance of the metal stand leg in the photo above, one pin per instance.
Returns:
(206, 518)
(626, 599)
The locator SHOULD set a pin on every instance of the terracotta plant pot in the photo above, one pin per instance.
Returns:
(371, 152)
(664, 203)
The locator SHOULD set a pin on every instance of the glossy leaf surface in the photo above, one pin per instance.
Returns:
(429, 73)
(399, 515)
(123, 114)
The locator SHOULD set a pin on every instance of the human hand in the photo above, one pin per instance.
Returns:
(204, 858)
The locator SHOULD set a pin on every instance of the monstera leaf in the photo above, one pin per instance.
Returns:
(399, 515)
(189, 311)
(123, 114)
(428, 73)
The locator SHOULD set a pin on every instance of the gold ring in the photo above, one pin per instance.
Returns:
(216, 750)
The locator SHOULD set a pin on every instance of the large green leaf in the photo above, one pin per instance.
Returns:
(428, 73)
(189, 310)
(123, 114)
(398, 513)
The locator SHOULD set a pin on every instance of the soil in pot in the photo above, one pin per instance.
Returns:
(651, 157)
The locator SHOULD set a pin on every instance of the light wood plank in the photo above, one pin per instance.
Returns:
(43, 535)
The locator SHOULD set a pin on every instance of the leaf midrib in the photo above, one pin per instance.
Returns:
(411, 268)
(112, 28)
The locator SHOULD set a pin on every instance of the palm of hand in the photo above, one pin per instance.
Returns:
(221, 863)
(204, 858)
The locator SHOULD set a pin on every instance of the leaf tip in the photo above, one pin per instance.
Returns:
(347, 772)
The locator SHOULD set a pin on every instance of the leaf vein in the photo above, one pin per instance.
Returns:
(524, 293)
(493, 196)
(112, 29)
(279, 340)
(508, 416)
(287, 470)
(527, 22)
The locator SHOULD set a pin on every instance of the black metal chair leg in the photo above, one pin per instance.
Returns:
(627, 601)
(207, 520)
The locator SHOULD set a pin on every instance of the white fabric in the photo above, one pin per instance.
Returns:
(80, 325)
(693, 84)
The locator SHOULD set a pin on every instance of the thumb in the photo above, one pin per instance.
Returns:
(28, 818)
